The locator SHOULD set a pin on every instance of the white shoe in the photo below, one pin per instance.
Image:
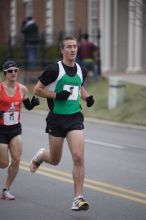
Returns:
(79, 204)
(36, 162)
(7, 195)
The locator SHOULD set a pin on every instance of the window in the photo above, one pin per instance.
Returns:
(69, 16)
(28, 8)
(93, 20)
(13, 22)
(49, 22)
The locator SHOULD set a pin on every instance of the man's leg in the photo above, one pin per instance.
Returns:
(52, 155)
(76, 144)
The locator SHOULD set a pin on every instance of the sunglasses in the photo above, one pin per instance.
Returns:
(12, 70)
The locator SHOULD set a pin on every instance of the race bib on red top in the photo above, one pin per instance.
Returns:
(11, 118)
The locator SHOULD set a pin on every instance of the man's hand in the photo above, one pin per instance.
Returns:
(35, 101)
(63, 95)
(1, 113)
(89, 101)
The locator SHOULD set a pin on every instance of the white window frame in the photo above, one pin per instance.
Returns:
(13, 15)
(93, 20)
(69, 16)
(28, 8)
(49, 22)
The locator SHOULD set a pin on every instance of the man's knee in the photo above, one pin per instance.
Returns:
(15, 162)
(55, 162)
(4, 164)
(78, 159)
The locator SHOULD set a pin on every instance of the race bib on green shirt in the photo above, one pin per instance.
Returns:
(74, 91)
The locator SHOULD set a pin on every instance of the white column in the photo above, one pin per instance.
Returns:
(102, 31)
(115, 35)
(107, 37)
(138, 61)
(131, 36)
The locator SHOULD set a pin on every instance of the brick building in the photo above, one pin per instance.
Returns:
(4, 24)
(121, 22)
(54, 18)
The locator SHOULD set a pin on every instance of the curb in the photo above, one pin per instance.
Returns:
(116, 124)
(99, 121)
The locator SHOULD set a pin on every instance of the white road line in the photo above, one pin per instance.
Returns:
(104, 144)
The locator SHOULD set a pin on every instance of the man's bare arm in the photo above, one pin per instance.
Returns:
(42, 91)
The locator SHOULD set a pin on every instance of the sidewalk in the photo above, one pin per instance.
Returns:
(136, 78)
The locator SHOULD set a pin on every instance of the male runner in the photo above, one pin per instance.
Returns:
(12, 94)
(62, 85)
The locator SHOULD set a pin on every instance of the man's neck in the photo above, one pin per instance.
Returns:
(68, 63)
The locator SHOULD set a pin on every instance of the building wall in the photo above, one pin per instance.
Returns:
(4, 21)
(81, 15)
(39, 14)
(50, 15)
(21, 16)
(58, 17)
(39, 8)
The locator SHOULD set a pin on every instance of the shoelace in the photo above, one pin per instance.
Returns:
(7, 193)
(78, 200)
(37, 162)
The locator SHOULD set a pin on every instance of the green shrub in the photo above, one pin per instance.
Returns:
(52, 53)
(45, 54)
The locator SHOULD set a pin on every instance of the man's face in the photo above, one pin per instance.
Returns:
(69, 51)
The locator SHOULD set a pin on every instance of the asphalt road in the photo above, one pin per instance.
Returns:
(115, 183)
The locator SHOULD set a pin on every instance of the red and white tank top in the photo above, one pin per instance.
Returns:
(10, 105)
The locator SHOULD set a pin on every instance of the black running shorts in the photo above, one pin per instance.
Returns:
(60, 125)
(8, 132)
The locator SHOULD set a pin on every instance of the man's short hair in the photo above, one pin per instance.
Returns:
(70, 37)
